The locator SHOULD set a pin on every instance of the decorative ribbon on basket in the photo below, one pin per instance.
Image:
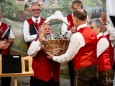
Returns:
(56, 44)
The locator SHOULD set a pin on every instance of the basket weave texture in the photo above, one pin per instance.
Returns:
(55, 47)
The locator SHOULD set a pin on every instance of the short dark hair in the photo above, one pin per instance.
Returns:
(80, 14)
(78, 2)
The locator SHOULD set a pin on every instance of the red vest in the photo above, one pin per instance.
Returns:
(70, 21)
(44, 68)
(111, 50)
(86, 56)
(103, 60)
(33, 30)
(37, 25)
(3, 28)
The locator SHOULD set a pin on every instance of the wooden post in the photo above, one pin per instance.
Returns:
(15, 81)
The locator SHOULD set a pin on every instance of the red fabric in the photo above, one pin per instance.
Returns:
(37, 25)
(103, 60)
(86, 56)
(44, 68)
(70, 21)
(3, 28)
(111, 51)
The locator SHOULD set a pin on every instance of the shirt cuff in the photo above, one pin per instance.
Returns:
(54, 58)
(69, 32)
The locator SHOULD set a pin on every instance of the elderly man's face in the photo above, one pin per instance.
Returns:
(75, 7)
(47, 29)
(36, 10)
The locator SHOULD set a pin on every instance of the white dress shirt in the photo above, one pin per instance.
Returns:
(27, 36)
(102, 45)
(35, 46)
(111, 32)
(76, 42)
(64, 28)
(11, 35)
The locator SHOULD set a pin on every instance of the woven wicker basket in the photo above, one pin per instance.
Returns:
(55, 47)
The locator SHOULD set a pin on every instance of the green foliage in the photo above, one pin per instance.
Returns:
(9, 8)
(92, 2)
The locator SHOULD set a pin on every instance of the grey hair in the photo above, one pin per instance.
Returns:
(96, 22)
(36, 3)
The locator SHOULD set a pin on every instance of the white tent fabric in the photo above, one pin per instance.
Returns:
(110, 8)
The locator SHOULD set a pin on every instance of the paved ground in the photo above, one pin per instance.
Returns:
(24, 81)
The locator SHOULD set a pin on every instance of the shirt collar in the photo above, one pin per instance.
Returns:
(34, 19)
(72, 14)
(106, 33)
(82, 26)
(100, 34)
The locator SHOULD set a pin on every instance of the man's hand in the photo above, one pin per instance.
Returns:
(41, 33)
(6, 45)
(2, 44)
(73, 29)
(103, 17)
(50, 56)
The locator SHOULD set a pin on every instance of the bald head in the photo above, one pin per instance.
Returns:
(81, 14)
(35, 4)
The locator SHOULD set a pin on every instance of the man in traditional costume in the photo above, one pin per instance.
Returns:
(7, 36)
(81, 50)
(46, 71)
(105, 72)
(77, 4)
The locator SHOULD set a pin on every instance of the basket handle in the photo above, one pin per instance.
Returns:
(57, 16)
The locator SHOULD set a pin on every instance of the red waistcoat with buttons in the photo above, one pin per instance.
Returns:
(111, 50)
(86, 56)
(44, 68)
(103, 60)
(3, 28)
(70, 21)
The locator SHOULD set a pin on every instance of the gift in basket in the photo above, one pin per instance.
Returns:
(56, 43)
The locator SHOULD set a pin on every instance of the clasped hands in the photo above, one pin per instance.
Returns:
(4, 44)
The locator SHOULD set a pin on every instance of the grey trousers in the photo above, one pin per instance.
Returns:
(86, 76)
(105, 78)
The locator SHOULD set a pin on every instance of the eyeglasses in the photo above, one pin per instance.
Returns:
(36, 10)
(91, 27)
